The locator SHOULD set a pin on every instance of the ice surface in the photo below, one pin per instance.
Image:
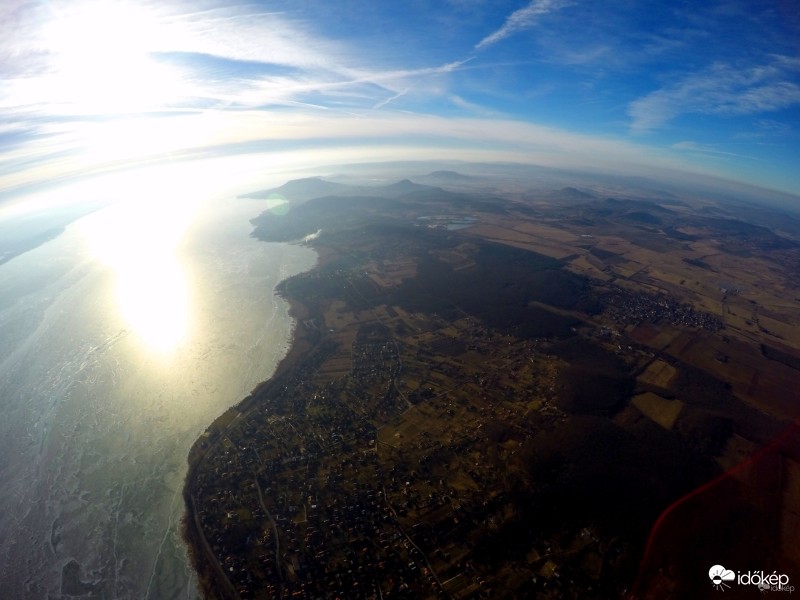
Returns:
(96, 429)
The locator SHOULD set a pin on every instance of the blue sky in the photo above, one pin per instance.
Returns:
(626, 85)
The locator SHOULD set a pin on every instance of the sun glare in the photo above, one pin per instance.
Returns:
(101, 59)
(153, 299)
(140, 241)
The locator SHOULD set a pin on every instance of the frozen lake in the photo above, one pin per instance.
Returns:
(112, 362)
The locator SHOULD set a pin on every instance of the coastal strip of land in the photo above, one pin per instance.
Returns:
(213, 581)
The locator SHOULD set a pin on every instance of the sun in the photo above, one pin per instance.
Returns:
(101, 58)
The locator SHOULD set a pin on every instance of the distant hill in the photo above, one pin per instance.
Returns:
(401, 188)
(348, 204)
(448, 176)
(300, 190)
(630, 206)
(459, 182)
(571, 193)
(13, 249)
(567, 194)
(24, 233)
(303, 190)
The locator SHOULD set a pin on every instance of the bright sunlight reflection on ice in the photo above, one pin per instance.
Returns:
(139, 239)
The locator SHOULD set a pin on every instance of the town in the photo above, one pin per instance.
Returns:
(392, 460)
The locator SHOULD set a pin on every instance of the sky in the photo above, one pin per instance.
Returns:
(632, 86)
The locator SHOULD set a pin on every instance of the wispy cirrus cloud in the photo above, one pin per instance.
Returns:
(707, 149)
(521, 19)
(390, 99)
(722, 89)
(86, 86)
(79, 57)
(83, 58)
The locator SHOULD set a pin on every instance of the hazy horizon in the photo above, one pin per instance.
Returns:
(641, 88)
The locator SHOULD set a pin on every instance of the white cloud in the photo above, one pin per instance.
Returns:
(390, 99)
(722, 89)
(707, 149)
(104, 146)
(82, 57)
(521, 19)
(470, 106)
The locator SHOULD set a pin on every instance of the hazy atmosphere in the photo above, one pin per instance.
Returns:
(503, 255)
(634, 86)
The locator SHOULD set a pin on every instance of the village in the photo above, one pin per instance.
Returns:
(625, 306)
(380, 464)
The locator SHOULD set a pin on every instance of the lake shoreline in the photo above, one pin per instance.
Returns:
(211, 580)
